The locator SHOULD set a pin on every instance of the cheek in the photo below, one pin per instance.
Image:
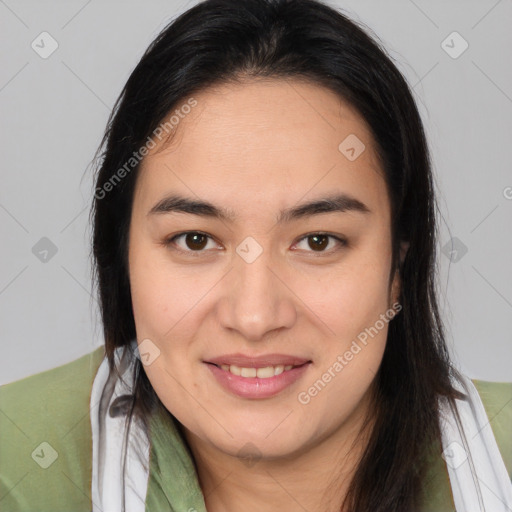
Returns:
(347, 367)
(150, 304)
(349, 298)
(162, 307)
(352, 301)
(159, 297)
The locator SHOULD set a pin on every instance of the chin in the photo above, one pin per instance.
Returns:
(247, 447)
(269, 439)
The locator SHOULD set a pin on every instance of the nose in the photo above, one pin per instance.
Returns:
(257, 300)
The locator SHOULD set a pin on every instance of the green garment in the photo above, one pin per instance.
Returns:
(52, 407)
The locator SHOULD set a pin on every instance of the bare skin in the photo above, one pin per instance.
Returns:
(255, 149)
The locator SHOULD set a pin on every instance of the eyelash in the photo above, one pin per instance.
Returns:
(171, 241)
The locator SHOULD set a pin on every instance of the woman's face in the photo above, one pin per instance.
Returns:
(222, 314)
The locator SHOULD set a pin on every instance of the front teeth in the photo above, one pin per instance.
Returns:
(261, 373)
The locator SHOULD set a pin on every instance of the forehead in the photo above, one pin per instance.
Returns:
(262, 142)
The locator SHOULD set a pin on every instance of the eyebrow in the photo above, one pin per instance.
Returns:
(337, 203)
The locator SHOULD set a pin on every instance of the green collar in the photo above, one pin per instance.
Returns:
(173, 484)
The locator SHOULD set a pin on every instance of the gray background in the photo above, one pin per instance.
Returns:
(54, 112)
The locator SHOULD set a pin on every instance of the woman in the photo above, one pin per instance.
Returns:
(264, 244)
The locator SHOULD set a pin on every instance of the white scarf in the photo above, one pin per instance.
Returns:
(478, 476)
(109, 434)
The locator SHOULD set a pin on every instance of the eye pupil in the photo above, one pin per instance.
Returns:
(319, 244)
(193, 243)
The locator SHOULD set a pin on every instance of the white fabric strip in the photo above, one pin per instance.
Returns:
(478, 476)
(108, 435)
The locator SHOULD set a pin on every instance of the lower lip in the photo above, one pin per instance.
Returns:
(253, 387)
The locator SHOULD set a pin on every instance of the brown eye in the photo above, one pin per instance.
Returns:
(190, 241)
(318, 242)
(196, 241)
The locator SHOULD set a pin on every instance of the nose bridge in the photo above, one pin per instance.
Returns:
(258, 301)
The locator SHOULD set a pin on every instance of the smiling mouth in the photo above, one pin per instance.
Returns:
(266, 372)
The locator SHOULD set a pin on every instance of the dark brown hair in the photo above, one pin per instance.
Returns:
(218, 41)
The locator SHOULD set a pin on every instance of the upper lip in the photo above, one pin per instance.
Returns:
(260, 361)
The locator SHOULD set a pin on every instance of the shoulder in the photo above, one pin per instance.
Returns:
(46, 438)
(497, 400)
(75, 373)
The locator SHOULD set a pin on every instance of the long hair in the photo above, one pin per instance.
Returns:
(220, 41)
